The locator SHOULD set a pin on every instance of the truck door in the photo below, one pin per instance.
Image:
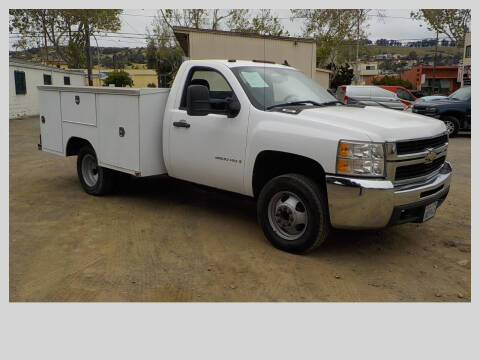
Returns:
(50, 121)
(209, 149)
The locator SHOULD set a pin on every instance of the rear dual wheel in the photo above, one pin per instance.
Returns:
(292, 211)
(95, 180)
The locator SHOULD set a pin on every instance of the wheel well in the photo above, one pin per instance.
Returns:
(455, 114)
(270, 164)
(75, 144)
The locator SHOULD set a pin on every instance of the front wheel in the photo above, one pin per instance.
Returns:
(452, 124)
(292, 211)
(95, 180)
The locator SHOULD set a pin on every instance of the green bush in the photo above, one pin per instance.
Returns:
(151, 85)
(392, 81)
(118, 77)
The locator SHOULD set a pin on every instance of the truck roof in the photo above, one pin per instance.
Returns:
(238, 63)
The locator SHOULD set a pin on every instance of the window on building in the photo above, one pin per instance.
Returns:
(20, 83)
(468, 51)
(66, 80)
(370, 67)
(47, 79)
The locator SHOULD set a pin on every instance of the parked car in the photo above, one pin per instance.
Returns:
(403, 94)
(454, 111)
(430, 98)
(417, 93)
(370, 96)
(266, 131)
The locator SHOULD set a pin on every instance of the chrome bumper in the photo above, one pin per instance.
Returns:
(370, 204)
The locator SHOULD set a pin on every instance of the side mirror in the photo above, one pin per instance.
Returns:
(198, 100)
(233, 108)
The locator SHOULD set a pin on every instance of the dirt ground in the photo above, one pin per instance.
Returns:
(161, 239)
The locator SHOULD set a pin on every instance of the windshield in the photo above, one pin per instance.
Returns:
(461, 94)
(267, 86)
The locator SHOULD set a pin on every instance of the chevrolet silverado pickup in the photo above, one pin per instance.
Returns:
(263, 130)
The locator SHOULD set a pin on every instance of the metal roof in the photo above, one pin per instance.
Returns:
(32, 65)
(182, 29)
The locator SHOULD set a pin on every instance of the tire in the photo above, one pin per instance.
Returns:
(286, 197)
(452, 124)
(95, 180)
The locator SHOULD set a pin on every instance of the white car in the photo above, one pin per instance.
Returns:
(263, 130)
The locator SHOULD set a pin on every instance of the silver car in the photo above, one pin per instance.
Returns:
(369, 95)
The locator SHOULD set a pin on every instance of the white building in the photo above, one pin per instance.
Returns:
(24, 78)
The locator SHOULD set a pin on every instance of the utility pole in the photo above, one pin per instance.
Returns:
(434, 64)
(357, 66)
(88, 54)
(98, 59)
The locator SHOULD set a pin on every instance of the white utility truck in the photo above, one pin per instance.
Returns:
(263, 130)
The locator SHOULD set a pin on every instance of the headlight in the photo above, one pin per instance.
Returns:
(431, 109)
(360, 158)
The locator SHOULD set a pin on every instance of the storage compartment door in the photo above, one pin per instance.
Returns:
(117, 118)
(50, 121)
(78, 108)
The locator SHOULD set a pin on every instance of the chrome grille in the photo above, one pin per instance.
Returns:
(415, 146)
(417, 170)
(416, 159)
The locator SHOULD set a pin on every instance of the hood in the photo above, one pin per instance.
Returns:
(378, 124)
(441, 101)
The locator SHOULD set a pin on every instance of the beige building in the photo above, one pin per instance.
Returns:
(467, 61)
(201, 44)
(363, 70)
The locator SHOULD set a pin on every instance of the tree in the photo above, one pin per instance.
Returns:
(194, 18)
(94, 20)
(412, 55)
(68, 30)
(343, 75)
(163, 52)
(392, 81)
(330, 28)
(118, 77)
(238, 20)
(454, 23)
(266, 23)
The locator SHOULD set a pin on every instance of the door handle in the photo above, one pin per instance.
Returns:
(181, 123)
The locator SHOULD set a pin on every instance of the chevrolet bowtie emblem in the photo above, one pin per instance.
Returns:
(430, 156)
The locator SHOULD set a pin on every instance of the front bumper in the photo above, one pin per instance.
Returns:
(371, 204)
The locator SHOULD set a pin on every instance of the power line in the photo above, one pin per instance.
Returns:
(166, 37)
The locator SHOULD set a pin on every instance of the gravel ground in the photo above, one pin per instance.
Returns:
(160, 239)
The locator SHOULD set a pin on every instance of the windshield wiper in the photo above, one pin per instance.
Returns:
(331, 103)
(294, 103)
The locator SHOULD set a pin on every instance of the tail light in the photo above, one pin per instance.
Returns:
(344, 90)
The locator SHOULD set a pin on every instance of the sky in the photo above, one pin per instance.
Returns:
(396, 25)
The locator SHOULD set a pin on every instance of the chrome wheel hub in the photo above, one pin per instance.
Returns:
(450, 126)
(90, 170)
(287, 215)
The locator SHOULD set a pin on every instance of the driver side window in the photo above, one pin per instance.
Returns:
(217, 85)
